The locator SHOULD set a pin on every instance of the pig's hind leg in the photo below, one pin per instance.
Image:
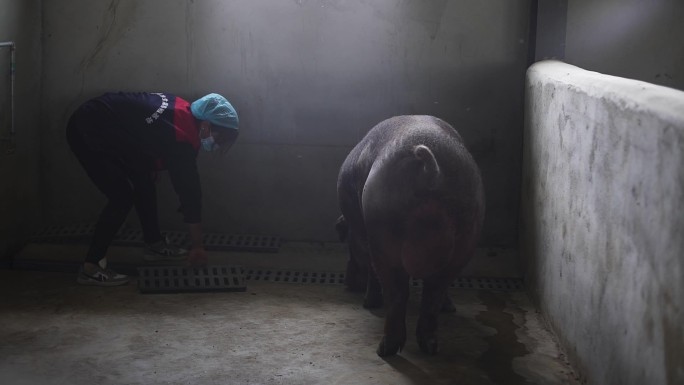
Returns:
(373, 298)
(395, 289)
(352, 277)
(360, 274)
(357, 265)
(434, 299)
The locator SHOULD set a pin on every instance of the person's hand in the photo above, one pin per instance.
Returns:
(197, 256)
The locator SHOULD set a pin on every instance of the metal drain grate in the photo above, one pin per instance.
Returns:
(130, 237)
(497, 284)
(134, 237)
(289, 276)
(337, 278)
(482, 283)
(230, 242)
(65, 234)
(174, 279)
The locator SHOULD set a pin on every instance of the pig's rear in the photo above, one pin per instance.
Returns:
(425, 190)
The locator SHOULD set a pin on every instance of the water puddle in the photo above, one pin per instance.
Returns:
(504, 346)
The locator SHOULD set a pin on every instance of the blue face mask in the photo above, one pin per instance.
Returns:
(208, 143)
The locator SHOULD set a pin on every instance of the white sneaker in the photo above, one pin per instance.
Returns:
(164, 251)
(101, 277)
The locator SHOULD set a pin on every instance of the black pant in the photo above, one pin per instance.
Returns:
(123, 185)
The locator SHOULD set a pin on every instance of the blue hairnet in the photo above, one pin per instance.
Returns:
(216, 109)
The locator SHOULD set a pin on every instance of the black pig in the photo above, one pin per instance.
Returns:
(412, 205)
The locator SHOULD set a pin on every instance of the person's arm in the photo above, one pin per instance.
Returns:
(185, 180)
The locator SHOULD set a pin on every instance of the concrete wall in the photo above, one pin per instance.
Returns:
(309, 78)
(19, 155)
(602, 220)
(636, 39)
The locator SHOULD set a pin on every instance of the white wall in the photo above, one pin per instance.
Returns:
(309, 78)
(603, 219)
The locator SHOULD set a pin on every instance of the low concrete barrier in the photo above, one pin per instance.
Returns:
(603, 221)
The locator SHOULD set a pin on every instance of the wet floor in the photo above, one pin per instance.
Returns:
(53, 331)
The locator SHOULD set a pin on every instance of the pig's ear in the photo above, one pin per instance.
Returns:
(342, 228)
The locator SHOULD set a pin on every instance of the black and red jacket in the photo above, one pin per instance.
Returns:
(152, 132)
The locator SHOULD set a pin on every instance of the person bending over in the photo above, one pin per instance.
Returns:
(122, 140)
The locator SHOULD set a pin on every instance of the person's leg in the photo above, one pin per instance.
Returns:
(110, 178)
(145, 201)
(112, 216)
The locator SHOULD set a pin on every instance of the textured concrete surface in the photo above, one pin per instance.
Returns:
(53, 331)
(602, 222)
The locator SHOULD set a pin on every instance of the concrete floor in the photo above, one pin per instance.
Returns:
(53, 331)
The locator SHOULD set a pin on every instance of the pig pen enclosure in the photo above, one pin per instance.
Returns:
(578, 274)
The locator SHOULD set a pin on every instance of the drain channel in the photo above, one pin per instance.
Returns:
(493, 284)
(170, 279)
(289, 276)
(66, 234)
(165, 279)
(134, 237)
(174, 279)
(337, 278)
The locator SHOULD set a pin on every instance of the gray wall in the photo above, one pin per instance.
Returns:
(309, 78)
(19, 156)
(602, 221)
(635, 39)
